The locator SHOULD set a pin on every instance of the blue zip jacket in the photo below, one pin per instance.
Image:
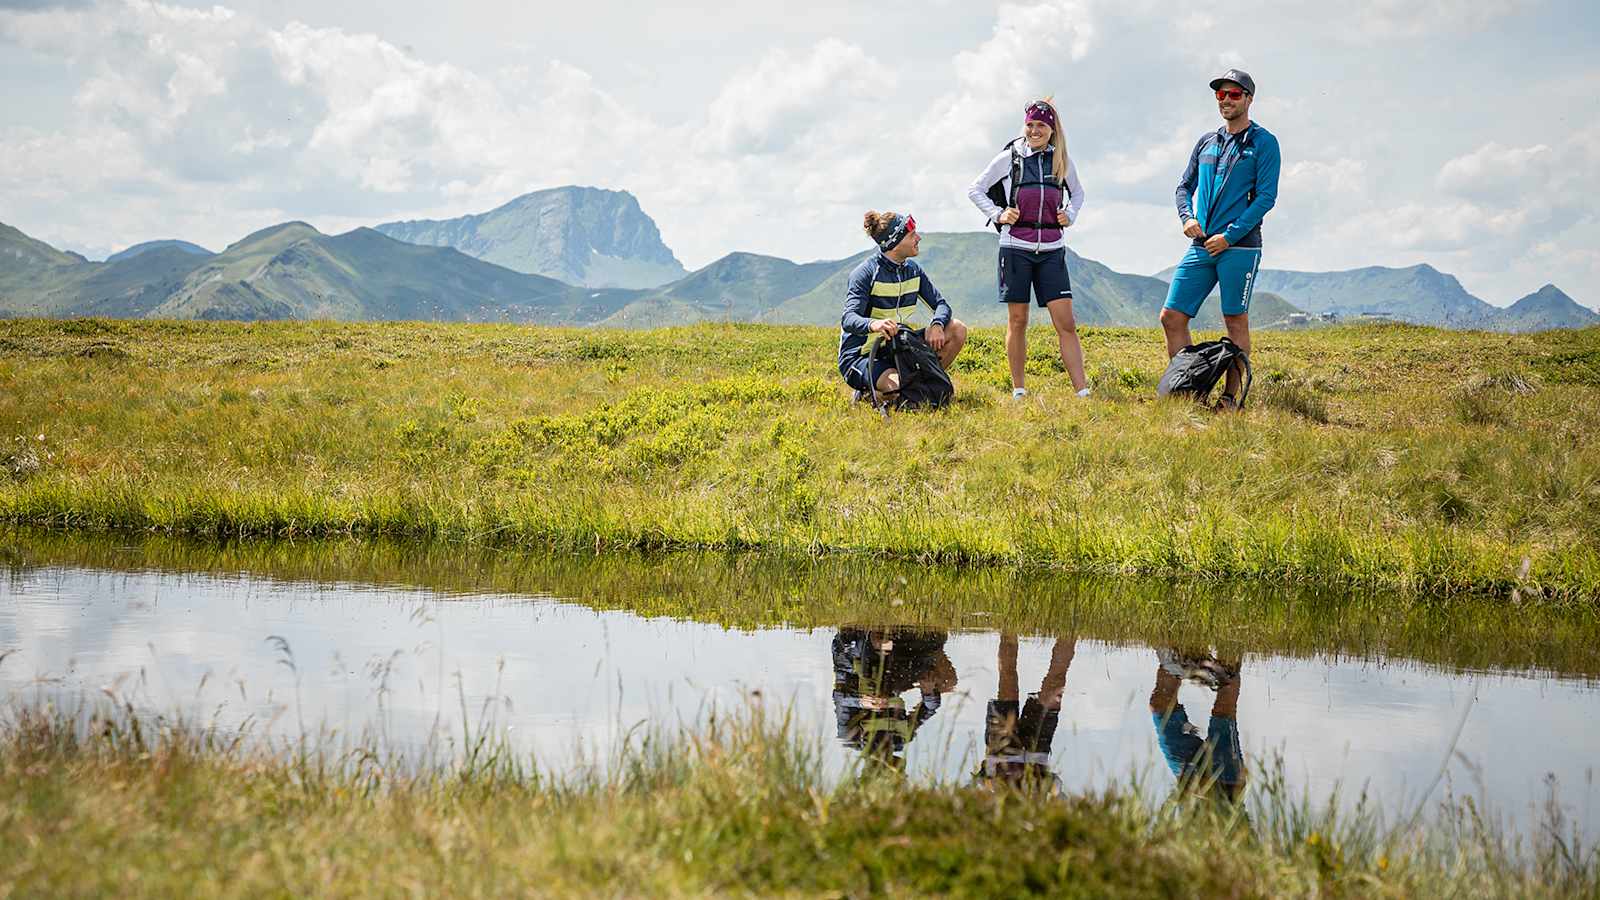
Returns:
(1230, 184)
(881, 289)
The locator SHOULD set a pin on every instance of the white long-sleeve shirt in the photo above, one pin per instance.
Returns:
(999, 169)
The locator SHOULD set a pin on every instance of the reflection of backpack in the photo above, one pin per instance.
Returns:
(923, 381)
(1196, 369)
(999, 197)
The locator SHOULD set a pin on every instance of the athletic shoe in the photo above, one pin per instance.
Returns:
(1203, 670)
(1083, 394)
(1018, 393)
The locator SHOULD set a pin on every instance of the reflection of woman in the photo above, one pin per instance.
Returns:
(1043, 198)
(1017, 736)
(1213, 764)
(871, 669)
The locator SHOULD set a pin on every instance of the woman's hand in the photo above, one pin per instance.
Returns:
(1010, 216)
(1061, 218)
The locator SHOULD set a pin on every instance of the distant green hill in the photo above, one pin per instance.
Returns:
(147, 246)
(739, 287)
(294, 271)
(290, 271)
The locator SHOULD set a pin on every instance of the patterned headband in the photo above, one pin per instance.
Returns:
(899, 227)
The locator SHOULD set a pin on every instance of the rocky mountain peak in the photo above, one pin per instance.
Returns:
(581, 235)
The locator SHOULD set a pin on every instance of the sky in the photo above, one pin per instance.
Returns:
(1460, 133)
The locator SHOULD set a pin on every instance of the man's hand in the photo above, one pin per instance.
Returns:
(1009, 216)
(1192, 229)
(1061, 218)
(1216, 244)
(885, 327)
(935, 336)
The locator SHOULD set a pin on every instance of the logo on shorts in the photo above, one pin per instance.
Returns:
(1249, 282)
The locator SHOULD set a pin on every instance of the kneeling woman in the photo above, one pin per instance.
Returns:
(1043, 198)
(888, 292)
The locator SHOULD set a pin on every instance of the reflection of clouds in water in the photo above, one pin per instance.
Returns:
(565, 682)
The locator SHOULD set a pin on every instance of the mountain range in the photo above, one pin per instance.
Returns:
(1421, 295)
(293, 271)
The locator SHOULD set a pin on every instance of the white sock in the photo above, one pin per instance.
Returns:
(1084, 393)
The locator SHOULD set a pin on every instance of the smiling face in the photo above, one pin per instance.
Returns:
(1232, 101)
(1037, 134)
(907, 247)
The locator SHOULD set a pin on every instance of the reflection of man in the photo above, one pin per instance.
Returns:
(1214, 764)
(1017, 735)
(871, 669)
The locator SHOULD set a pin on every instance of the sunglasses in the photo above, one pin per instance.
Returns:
(1232, 94)
(911, 224)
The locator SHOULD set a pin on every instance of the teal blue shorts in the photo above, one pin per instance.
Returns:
(1234, 269)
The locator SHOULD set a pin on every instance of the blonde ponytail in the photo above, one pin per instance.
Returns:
(1058, 140)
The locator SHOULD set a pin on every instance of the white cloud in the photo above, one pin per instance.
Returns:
(1412, 18)
(1019, 61)
(788, 96)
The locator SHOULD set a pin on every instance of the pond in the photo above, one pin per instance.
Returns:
(954, 676)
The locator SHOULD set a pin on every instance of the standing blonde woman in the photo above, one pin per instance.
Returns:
(1030, 192)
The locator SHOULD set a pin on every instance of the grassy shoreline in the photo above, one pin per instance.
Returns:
(1426, 462)
(107, 807)
(754, 591)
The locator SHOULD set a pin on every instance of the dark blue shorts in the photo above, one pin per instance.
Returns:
(1044, 273)
(1216, 757)
(856, 374)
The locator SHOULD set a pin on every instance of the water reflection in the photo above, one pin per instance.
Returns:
(871, 672)
(1213, 764)
(1017, 737)
(1076, 710)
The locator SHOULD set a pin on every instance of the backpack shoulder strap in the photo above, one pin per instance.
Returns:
(1016, 175)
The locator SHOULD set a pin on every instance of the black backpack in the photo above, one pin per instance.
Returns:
(924, 384)
(999, 197)
(1198, 367)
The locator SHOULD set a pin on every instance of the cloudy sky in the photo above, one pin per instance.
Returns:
(1461, 133)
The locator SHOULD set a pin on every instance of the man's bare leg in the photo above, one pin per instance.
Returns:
(1176, 326)
(1238, 332)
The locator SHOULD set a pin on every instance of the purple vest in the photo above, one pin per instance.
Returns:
(1039, 198)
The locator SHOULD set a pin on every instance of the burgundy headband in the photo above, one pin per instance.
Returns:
(1040, 111)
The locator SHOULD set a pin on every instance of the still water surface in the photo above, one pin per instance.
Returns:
(566, 682)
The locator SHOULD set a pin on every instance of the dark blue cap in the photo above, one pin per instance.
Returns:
(1237, 76)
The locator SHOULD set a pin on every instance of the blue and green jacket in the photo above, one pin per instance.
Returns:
(880, 288)
(1230, 184)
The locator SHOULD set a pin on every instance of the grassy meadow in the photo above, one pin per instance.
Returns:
(1426, 462)
(112, 805)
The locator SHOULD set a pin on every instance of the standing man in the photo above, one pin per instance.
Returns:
(1228, 187)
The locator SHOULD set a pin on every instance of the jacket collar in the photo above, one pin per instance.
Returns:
(884, 260)
(1247, 136)
(1024, 151)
